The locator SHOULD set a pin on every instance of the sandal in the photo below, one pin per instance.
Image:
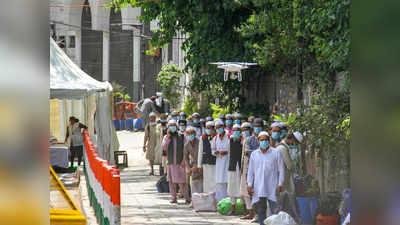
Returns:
(173, 201)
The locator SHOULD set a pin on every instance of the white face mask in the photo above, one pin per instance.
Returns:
(153, 123)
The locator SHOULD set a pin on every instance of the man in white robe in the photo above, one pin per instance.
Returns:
(220, 149)
(265, 176)
(235, 157)
(206, 160)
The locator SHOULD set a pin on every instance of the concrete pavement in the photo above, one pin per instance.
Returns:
(140, 201)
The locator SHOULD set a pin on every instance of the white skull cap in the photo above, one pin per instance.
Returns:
(171, 122)
(236, 126)
(152, 114)
(219, 122)
(298, 136)
(246, 124)
(210, 123)
(275, 124)
(190, 128)
(263, 133)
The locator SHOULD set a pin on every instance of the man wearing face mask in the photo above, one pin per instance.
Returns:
(173, 145)
(174, 115)
(196, 124)
(191, 152)
(250, 144)
(284, 148)
(237, 118)
(162, 131)
(220, 149)
(189, 121)
(206, 160)
(182, 126)
(150, 141)
(182, 116)
(228, 124)
(284, 130)
(265, 176)
(222, 117)
(251, 121)
(275, 133)
(235, 157)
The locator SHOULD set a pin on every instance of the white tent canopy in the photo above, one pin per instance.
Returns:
(67, 80)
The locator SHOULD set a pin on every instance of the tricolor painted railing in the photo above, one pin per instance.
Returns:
(103, 184)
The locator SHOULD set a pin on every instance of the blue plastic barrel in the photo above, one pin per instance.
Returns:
(116, 125)
(137, 123)
(123, 124)
(308, 208)
(129, 124)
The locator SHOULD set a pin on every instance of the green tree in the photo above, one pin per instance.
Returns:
(168, 78)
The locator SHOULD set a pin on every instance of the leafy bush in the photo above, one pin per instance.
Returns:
(218, 110)
(168, 78)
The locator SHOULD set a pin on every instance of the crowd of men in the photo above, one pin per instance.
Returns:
(233, 156)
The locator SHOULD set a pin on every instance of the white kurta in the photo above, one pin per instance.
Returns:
(234, 183)
(222, 162)
(266, 172)
(208, 171)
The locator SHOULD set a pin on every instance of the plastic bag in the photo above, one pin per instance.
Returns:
(204, 202)
(225, 206)
(281, 218)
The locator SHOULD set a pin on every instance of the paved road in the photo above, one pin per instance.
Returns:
(140, 201)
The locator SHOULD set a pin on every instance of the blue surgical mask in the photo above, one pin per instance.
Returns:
(246, 133)
(275, 135)
(283, 134)
(163, 121)
(236, 133)
(228, 122)
(251, 125)
(182, 128)
(189, 122)
(172, 129)
(257, 130)
(191, 137)
(196, 121)
(237, 122)
(264, 144)
(220, 130)
(208, 131)
(292, 146)
(175, 118)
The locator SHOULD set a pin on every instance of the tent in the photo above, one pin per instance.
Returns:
(75, 93)
(67, 80)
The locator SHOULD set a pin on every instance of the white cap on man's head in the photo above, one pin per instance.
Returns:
(275, 124)
(219, 122)
(246, 124)
(298, 136)
(171, 122)
(263, 133)
(210, 123)
(236, 126)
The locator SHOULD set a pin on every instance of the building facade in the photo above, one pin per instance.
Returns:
(110, 45)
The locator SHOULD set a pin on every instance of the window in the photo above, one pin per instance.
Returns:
(61, 41)
(71, 41)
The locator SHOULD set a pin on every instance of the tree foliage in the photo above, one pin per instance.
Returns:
(304, 40)
(168, 78)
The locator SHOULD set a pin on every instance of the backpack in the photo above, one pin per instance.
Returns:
(162, 184)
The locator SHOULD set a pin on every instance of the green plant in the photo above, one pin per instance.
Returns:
(190, 106)
(328, 204)
(289, 120)
(127, 97)
(168, 78)
(218, 110)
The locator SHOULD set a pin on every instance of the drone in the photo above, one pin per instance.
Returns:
(235, 68)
